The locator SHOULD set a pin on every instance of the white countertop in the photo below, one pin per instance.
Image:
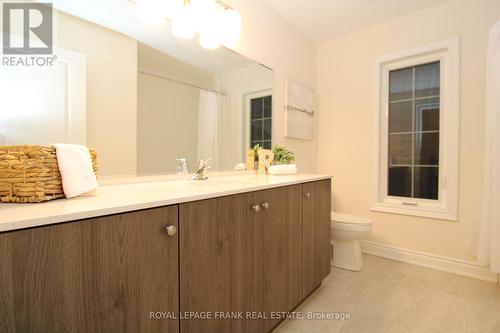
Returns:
(112, 199)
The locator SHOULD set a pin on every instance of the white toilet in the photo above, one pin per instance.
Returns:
(346, 231)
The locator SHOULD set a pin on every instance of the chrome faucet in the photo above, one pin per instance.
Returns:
(202, 171)
(182, 166)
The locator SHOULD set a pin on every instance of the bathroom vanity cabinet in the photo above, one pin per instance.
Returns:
(315, 234)
(241, 254)
(98, 275)
(166, 269)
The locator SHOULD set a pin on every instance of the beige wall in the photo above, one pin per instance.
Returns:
(345, 87)
(167, 111)
(239, 83)
(272, 41)
(167, 125)
(111, 90)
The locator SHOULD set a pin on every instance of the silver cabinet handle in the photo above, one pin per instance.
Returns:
(256, 208)
(265, 205)
(171, 230)
(307, 195)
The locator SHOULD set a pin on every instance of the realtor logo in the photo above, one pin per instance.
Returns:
(27, 28)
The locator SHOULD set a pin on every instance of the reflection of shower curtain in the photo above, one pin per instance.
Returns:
(209, 112)
(487, 239)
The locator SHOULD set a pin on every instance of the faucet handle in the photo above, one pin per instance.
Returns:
(202, 171)
(182, 166)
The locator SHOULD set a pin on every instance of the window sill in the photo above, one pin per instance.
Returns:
(417, 211)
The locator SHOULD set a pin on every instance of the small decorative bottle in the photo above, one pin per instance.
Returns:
(250, 159)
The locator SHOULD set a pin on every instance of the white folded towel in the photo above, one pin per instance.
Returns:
(75, 165)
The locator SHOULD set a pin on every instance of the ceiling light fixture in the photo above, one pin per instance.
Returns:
(215, 22)
(231, 25)
(183, 23)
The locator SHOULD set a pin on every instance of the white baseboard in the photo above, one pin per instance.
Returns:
(460, 267)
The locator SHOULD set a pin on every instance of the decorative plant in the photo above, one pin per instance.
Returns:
(256, 149)
(282, 155)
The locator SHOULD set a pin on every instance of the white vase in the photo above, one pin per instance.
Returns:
(283, 169)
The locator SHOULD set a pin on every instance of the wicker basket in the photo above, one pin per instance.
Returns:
(31, 173)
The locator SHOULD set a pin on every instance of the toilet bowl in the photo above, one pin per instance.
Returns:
(346, 231)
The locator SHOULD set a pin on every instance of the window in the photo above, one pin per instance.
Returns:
(414, 94)
(261, 121)
(416, 132)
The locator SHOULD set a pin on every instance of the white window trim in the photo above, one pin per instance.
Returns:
(448, 52)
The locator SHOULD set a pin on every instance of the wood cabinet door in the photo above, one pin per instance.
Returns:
(316, 233)
(280, 278)
(219, 264)
(105, 274)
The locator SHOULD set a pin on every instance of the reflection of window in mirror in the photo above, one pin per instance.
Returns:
(261, 121)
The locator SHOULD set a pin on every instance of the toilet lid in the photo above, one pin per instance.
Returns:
(348, 218)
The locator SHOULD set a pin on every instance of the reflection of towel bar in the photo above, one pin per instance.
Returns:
(294, 108)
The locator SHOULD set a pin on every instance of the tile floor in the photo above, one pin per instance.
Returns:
(392, 297)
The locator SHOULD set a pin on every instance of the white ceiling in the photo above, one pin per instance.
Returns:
(323, 19)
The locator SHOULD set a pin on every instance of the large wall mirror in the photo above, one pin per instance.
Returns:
(139, 96)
